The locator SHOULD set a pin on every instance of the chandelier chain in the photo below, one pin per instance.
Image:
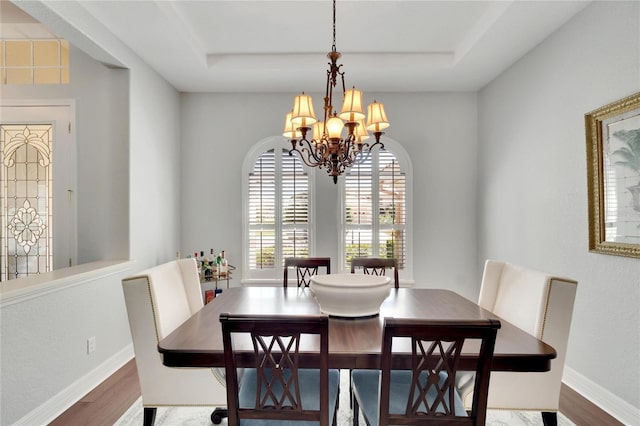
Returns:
(333, 48)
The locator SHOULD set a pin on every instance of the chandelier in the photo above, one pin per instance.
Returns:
(321, 143)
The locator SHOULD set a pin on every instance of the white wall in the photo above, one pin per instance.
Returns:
(148, 126)
(101, 132)
(533, 188)
(45, 366)
(27, 336)
(185, 156)
(438, 131)
(129, 154)
(155, 203)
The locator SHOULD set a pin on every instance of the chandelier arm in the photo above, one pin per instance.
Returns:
(346, 150)
(320, 153)
(305, 160)
(377, 136)
(350, 150)
(351, 158)
(307, 153)
(375, 144)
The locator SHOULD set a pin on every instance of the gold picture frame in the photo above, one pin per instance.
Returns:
(613, 177)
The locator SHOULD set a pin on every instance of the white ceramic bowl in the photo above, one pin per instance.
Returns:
(350, 295)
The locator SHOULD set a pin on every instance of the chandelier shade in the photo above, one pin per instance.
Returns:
(318, 130)
(334, 128)
(327, 147)
(376, 117)
(360, 132)
(290, 132)
(352, 106)
(302, 114)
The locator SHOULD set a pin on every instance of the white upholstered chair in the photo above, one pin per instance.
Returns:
(542, 305)
(158, 300)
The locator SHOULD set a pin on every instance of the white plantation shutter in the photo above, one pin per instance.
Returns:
(278, 212)
(295, 208)
(358, 211)
(391, 208)
(262, 212)
(375, 209)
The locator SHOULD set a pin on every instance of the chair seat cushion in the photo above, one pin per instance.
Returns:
(366, 383)
(309, 380)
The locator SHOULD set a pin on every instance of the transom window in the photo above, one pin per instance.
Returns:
(34, 61)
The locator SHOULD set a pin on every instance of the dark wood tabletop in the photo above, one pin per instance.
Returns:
(353, 343)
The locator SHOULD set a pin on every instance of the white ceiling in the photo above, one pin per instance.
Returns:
(281, 46)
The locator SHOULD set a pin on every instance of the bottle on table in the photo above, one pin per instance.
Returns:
(223, 264)
(207, 267)
(198, 263)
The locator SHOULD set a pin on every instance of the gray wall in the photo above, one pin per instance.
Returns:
(438, 131)
(101, 130)
(128, 124)
(50, 331)
(146, 111)
(529, 204)
(533, 187)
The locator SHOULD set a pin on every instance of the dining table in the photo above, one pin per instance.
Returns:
(353, 342)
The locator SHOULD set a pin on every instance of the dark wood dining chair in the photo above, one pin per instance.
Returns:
(425, 392)
(376, 266)
(306, 267)
(277, 388)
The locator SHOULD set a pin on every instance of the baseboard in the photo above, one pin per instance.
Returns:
(613, 405)
(57, 405)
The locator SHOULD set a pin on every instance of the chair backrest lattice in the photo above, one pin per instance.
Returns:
(376, 266)
(276, 347)
(436, 349)
(306, 267)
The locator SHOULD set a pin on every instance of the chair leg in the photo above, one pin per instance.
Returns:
(350, 391)
(356, 411)
(550, 418)
(219, 414)
(149, 416)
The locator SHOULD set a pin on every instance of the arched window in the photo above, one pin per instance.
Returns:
(278, 208)
(376, 203)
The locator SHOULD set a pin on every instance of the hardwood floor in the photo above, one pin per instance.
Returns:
(106, 403)
(581, 411)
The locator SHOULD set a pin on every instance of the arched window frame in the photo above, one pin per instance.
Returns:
(406, 273)
(271, 276)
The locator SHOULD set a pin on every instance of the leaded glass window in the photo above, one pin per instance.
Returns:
(26, 233)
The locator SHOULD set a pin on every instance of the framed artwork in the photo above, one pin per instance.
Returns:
(613, 175)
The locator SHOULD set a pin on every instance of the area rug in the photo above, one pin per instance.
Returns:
(200, 416)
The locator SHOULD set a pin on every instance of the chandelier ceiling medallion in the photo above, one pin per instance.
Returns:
(326, 147)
